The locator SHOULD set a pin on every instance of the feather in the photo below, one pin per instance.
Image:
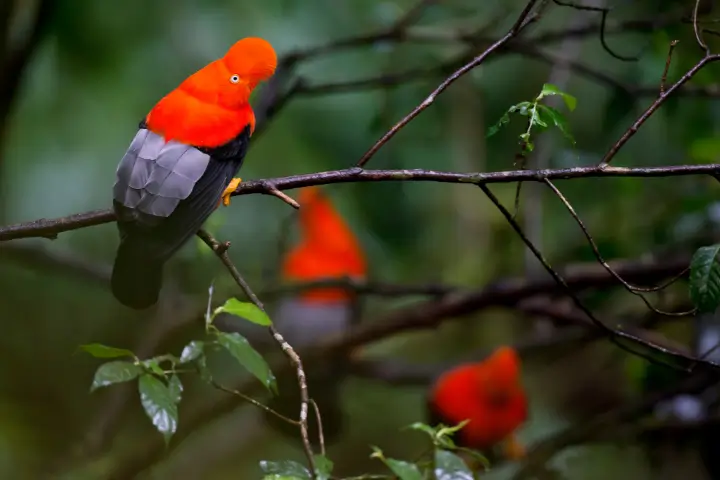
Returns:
(162, 217)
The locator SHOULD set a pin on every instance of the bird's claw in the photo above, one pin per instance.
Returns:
(232, 186)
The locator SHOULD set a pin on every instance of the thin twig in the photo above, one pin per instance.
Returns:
(630, 288)
(630, 132)
(254, 402)
(663, 79)
(419, 316)
(519, 24)
(221, 250)
(696, 29)
(610, 332)
(318, 419)
(604, 12)
(272, 190)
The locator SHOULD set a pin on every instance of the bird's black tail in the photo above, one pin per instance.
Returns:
(136, 279)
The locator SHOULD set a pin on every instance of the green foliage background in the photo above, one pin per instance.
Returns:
(102, 65)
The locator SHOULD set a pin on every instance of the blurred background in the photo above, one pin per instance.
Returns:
(76, 77)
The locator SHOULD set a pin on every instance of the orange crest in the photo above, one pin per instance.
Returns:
(211, 107)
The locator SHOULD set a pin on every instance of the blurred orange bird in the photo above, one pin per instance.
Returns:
(490, 395)
(327, 249)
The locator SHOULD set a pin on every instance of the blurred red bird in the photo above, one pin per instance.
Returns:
(490, 395)
(180, 165)
(327, 249)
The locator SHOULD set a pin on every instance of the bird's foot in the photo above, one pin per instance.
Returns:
(225, 197)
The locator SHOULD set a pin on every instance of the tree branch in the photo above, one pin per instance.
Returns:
(221, 250)
(50, 228)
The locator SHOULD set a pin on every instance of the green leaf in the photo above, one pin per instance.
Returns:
(422, 427)
(550, 89)
(403, 470)
(176, 388)
(706, 150)
(159, 404)
(240, 348)
(153, 364)
(536, 119)
(323, 467)
(705, 278)
(192, 351)
(559, 120)
(114, 372)
(504, 120)
(246, 310)
(285, 469)
(98, 350)
(449, 466)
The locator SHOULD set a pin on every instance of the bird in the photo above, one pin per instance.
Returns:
(490, 396)
(328, 249)
(180, 166)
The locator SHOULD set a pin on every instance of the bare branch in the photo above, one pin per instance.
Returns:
(423, 315)
(50, 228)
(220, 250)
(654, 106)
(630, 288)
(520, 23)
(663, 79)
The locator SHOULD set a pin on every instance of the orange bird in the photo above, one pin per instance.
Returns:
(490, 395)
(327, 249)
(180, 165)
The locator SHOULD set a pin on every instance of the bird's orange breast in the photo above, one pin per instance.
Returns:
(182, 117)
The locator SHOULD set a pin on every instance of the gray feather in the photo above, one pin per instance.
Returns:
(154, 176)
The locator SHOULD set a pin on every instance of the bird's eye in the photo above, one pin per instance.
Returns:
(234, 79)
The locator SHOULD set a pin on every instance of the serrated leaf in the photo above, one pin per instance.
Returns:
(114, 372)
(284, 469)
(550, 89)
(176, 388)
(159, 405)
(248, 357)
(323, 467)
(559, 120)
(99, 350)
(246, 310)
(192, 351)
(705, 278)
(449, 466)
